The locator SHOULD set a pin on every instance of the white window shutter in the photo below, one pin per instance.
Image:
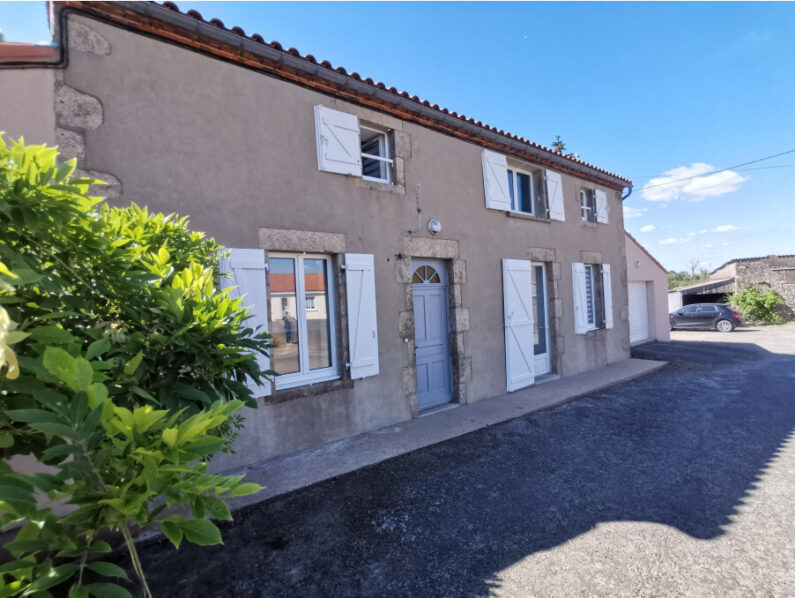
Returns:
(608, 295)
(555, 195)
(495, 180)
(580, 298)
(246, 274)
(602, 209)
(338, 144)
(517, 289)
(362, 314)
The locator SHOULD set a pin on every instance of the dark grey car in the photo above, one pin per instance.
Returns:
(714, 316)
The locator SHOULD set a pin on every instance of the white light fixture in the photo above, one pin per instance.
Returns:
(434, 226)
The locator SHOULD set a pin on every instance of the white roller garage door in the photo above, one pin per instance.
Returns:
(638, 312)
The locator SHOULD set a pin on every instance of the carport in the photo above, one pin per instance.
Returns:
(710, 291)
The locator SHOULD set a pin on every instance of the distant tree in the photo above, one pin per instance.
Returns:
(558, 145)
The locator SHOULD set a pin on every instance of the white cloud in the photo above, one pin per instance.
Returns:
(724, 228)
(698, 186)
(674, 241)
(647, 229)
(703, 231)
(633, 212)
(691, 234)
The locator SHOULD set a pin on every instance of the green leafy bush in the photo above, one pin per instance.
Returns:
(121, 369)
(756, 305)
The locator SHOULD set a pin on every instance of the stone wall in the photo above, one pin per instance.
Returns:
(773, 272)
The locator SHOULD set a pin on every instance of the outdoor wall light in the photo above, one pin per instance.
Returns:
(434, 226)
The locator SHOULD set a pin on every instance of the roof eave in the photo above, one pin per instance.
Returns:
(344, 81)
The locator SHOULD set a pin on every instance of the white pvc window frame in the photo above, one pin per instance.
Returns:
(587, 205)
(304, 375)
(513, 189)
(383, 146)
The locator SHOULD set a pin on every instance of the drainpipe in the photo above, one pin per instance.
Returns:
(629, 192)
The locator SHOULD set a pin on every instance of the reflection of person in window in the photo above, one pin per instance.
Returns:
(288, 327)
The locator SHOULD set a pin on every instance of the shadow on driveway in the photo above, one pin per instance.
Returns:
(681, 447)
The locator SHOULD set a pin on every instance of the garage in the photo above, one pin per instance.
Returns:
(638, 312)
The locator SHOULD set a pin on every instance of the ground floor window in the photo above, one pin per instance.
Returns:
(594, 305)
(302, 319)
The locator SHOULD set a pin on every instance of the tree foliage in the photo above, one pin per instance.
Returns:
(756, 305)
(121, 369)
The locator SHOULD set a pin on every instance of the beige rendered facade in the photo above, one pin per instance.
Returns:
(237, 151)
(643, 271)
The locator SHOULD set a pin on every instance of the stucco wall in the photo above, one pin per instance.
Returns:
(26, 104)
(641, 268)
(235, 150)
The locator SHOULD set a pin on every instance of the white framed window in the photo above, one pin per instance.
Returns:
(527, 192)
(376, 157)
(590, 297)
(587, 205)
(304, 331)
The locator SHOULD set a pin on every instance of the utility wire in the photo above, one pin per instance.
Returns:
(697, 176)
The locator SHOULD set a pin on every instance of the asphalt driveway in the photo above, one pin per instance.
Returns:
(680, 483)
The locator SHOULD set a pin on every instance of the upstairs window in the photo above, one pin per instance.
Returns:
(345, 146)
(587, 205)
(376, 159)
(527, 192)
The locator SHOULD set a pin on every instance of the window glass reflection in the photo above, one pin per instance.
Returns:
(284, 316)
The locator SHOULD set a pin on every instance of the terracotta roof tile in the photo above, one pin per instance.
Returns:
(25, 52)
(309, 58)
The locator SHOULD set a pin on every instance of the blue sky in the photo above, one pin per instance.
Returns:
(649, 91)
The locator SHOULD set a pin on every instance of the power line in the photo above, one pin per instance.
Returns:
(717, 171)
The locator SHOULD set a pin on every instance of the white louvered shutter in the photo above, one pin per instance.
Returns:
(246, 269)
(495, 181)
(555, 195)
(608, 295)
(602, 209)
(338, 144)
(362, 314)
(517, 289)
(580, 298)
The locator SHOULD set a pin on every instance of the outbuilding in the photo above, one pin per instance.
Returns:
(647, 283)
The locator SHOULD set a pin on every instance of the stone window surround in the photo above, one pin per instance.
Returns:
(458, 316)
(333, 244)
(401, 146)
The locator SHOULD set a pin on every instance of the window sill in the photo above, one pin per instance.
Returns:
(308, 390)
(589, 223)
(376, 185)
(524, 216)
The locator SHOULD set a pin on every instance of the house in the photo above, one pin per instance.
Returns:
(403, 256)
(647, 283)
(775, 272)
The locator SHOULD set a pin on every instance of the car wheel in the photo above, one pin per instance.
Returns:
(724, 326)
(670, 326)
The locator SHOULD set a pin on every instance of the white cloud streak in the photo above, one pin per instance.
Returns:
(633, 212)
(647, 229)
(674, 241)
(698, 186)
(724, 228)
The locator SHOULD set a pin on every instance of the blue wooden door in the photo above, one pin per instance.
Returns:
(431, 334)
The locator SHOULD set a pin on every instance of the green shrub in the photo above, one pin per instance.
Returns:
(121, 368)
(756, 305)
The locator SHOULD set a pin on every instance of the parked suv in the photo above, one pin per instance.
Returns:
(714, 316)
